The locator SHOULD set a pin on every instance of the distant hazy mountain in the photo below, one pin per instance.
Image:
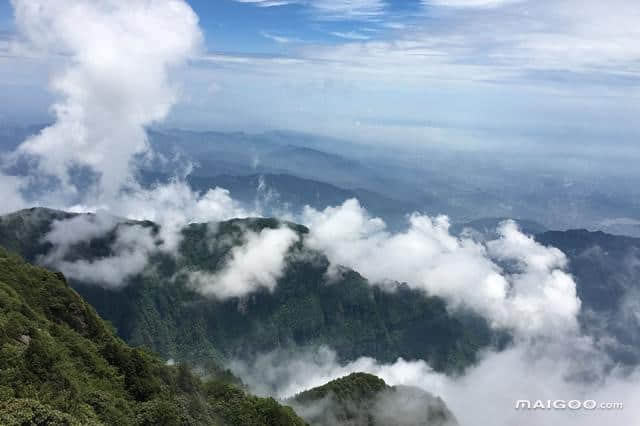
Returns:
(607, 268)
(278, 193)
(217, 153)
(464, 185)
(487, 227)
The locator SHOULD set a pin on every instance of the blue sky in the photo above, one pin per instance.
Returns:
(473, 74)
(252, 28)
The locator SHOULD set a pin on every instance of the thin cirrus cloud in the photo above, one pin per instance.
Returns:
(279, 38)
(468, 3)
(497, 41)
(351, 35)
(333, 10)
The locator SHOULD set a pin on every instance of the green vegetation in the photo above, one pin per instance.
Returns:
(157, 309)
(60, 364)
(349, 315)
(357, 387)
(361, 399)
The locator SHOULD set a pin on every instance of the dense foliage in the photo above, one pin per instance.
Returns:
(61, 364)
(159, 310)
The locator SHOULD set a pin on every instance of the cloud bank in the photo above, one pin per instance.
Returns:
(485, 395)
(531, 294)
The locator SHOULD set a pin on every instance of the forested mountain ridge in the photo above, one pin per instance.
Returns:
(159, 310)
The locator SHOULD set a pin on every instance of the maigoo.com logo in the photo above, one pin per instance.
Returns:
(561, 404)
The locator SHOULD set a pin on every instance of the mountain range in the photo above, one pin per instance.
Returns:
(157, 307)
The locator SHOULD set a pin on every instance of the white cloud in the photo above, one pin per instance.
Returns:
(11, 192)
(537, 299)
(515, 44)
(349, 9)
(278, 38)
(268, 3)
(173, 206)
(257, 263)
(485, 394)
(116, 79)
(359, 10)
(351, 35)
(129, 250)
(65, 233)
(469, 3)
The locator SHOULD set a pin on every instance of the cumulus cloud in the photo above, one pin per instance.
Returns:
(116, 80)
(257, 263)
(533, 296)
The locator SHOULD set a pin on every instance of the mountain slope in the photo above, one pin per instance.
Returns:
(160, 310)
(61, 364)
(365, 400)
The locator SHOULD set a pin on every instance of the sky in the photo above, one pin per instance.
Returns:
(505, 75)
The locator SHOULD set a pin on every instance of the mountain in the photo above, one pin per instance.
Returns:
(365, 400)
(464, 185)
(315, 158)
(157, 308)
(607, 270)
(238, 153)
(351, 316)
(61, 364)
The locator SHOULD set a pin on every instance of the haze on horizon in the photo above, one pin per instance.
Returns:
(554, 79)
